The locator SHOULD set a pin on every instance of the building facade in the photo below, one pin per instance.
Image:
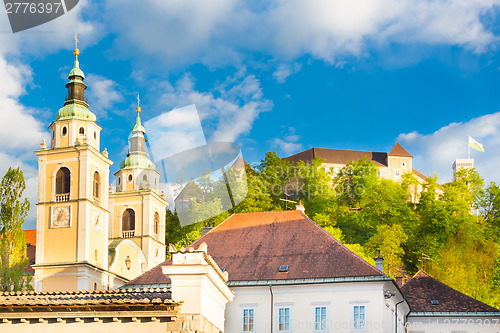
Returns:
(89, 235)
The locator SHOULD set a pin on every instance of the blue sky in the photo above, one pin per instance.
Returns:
(274, 75)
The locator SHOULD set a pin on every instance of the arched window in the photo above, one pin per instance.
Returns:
(119, 180)
(81, 131)
(128, 222)
(157, 223)
(97, 186)
(130, 178)
(64, 131)
(62, 181)
(145, 178)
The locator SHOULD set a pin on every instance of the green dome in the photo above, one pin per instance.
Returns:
(138, 126)
(75, 111)
(137, 162)
(76, 71)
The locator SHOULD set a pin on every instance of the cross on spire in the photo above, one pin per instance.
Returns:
(76, 52)
(138, 109)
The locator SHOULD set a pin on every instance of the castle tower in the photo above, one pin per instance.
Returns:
(72, 209)
(461, 163)
(137, 209)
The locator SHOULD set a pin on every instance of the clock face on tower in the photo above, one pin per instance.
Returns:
(61, 217)
(97, 221)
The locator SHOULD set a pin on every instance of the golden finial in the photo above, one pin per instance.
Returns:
(76, 52)
(138, 109)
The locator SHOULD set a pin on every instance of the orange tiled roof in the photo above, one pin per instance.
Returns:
(252, 247)
(423, 288)
(87, 298)
(30, 236)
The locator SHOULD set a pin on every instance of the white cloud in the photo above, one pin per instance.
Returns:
(226, 112)
(103, 94)
(287, 143)
(284, 71)
(436, 152)
(217, 33)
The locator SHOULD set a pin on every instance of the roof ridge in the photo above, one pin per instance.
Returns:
(340, 243)
(427, 275)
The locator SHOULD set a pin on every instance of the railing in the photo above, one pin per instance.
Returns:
(128, 234)
(62, 197)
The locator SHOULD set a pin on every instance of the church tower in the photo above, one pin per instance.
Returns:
(72, 209)
(137, 209)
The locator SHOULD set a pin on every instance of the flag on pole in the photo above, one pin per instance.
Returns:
(476, 145)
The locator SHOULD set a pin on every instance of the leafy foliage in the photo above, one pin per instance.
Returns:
(452, 231)
(13, 211)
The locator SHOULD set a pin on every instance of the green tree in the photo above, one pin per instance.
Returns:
(389, 240)
(355, 180)
(12, 243)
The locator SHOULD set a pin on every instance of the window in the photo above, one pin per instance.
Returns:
(62, 181)
(64, 131)
(397, 172)
(128, 220)
(97, 186)
(145, 178)
(403, 164)
(283, 319)
(157, 223)
(359, 318)
(119, 180)
(248, 320)
(320, 318)
(81, 131)
(130, 178)
(95, 135)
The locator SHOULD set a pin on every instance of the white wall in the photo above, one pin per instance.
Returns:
(453, 324)
(339, 299)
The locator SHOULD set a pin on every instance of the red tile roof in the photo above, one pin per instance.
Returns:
(30, 236)
(339, 156)
(252, 247)
(398, 150)
(30, 239)
(423, 288)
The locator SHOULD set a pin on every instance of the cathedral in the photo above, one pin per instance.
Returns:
(89, 234)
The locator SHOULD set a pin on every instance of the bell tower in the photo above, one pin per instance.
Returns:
(137, 209)
(72, 208)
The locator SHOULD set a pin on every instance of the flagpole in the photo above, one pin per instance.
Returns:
(468, 149)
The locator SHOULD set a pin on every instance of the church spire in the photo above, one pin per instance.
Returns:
(75, 106)
(137, 157)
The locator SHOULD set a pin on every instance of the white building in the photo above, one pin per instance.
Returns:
(438, 308)
(289, 275)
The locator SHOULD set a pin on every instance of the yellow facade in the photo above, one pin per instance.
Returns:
(80, 241)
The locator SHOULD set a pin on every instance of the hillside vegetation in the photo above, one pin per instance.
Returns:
(454, 236)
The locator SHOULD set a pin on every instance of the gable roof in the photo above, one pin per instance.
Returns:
(252, 247)
(339, 156)
(398, 150)
(423, 288)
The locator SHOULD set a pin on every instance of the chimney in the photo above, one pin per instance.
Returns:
(399, 281)
(207, 228)
(300, 207)
(379, 262)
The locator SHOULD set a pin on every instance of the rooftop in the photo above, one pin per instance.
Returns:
(253, 246)
(423, 290)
